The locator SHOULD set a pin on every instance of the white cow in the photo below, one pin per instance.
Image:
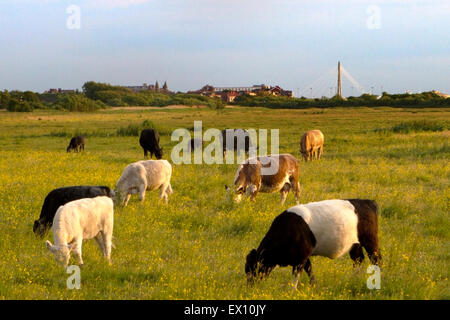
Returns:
(82, 219)
(144, 175)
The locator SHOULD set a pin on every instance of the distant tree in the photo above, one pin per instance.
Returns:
(15, 105)
(4, 99)
(157, 86)
(165, 87)
(30, 96)
(92, 89)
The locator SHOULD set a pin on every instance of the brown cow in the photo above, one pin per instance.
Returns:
(267, 174)
(311, 144)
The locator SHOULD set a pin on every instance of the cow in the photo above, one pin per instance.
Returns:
(144, 175)
(80, 220)
(329, 228)
(311, 144)
(241, 141)
(76, 143)
(61, 196)
(149, 141)
(194, 144)
(267, 174)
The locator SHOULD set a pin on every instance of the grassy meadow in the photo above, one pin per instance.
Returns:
(195, 246)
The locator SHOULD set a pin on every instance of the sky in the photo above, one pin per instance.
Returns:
(391, 46)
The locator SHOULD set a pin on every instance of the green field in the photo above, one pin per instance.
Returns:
(195, 246)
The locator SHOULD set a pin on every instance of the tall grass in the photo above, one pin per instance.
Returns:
(416, 126)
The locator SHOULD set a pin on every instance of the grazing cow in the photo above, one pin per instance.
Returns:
(329, 228)
(311, 144)
(250, 179)
(241, 141)
(76, 143)
(79, 220)
(61, 196)
(144, 175)
(195, 144)
(149, 141)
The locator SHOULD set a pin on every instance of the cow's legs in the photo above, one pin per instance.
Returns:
(356, 253)
(284, 192)
(142, 189)
(107, 244)
(295, 188)
(164, 192)
(283, 197)
(99, 239)
(320, 151)
(127, 198)
(296, 271)
(76, 247)
(308, 269)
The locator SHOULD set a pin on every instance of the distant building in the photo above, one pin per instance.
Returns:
(228, 94)
(149, 87)
(59, 90)
(141, 88)
(443, 95)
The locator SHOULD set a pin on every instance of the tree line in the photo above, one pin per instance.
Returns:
(95, 96)
(405, 100)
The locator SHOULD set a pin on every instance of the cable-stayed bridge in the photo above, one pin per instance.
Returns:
(330, 84)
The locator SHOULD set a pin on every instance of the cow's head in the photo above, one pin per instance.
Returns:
(40, 228)
(61, 253)
(120, 196)
(251, 265)
(247, 177)
(159, 153)
(305, 155)
(109, 193)
(255, 268)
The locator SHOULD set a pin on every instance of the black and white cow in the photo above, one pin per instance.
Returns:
(329, 228)
(76, 143)
(61, 196)
(149, 141)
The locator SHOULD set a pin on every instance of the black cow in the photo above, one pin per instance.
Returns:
(329, 228)
(238, 135)
(61, 196)
(195, 144)
(149, 141)
(76, 143)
